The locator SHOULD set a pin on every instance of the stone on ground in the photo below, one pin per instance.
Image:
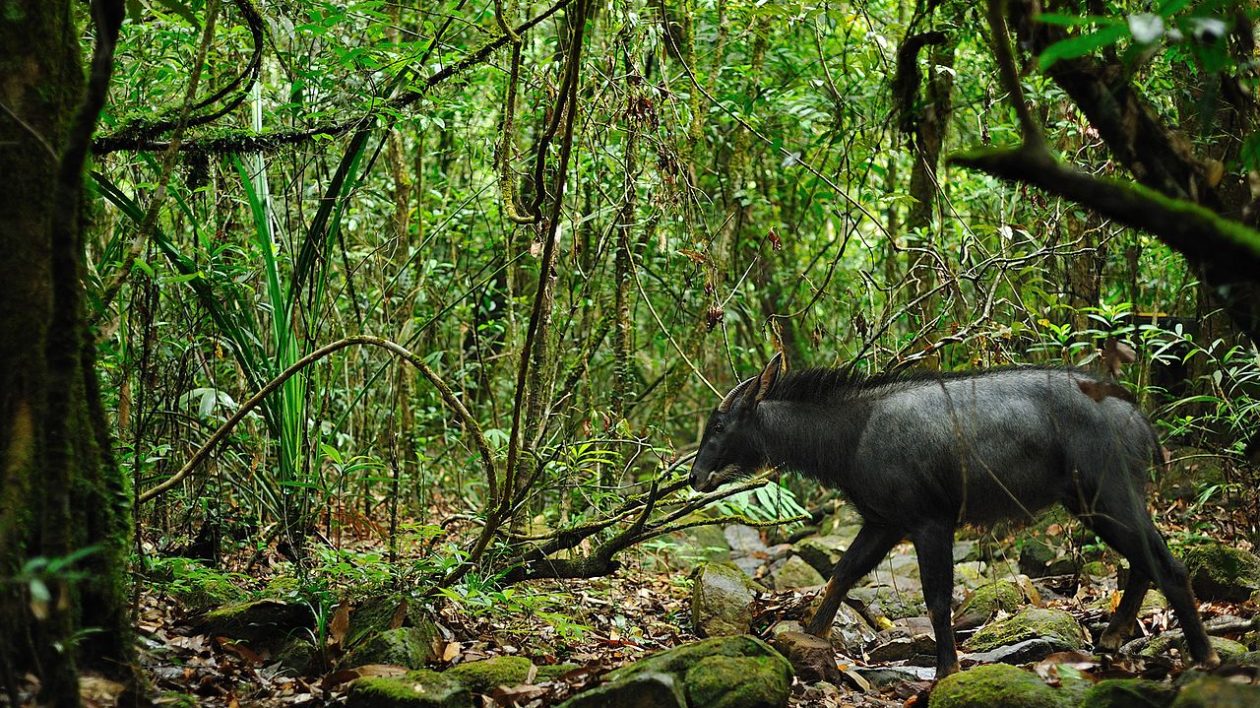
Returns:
(483, 676)
(266, 621)
(795, 573)
(645, 690)
(812, 657)
(985, 601)
(1217, 692)
(1129, 693)
(998, 686)
(1162, 644)
(721, 601)
(416, 689)
(1028, 623)
(732, 672)
(411, 647)
(822, 552)
(1222, 573)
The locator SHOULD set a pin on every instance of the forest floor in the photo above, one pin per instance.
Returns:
(587, 627)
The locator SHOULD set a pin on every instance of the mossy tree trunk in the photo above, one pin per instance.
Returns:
(60, 493)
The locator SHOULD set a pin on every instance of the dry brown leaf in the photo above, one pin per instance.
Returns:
(340, 624)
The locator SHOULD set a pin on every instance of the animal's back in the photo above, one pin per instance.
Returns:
(992, 445)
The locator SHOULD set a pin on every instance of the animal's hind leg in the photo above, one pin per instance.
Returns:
(1126, 527)
(1124, 619)
(868, 549)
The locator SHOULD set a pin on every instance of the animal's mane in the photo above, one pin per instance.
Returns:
(819, 385)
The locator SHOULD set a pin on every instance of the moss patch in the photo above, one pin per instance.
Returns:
(988, 599)
(738, 682)
(411, 647)
(1216, 692)
(1029, 623)
(1129, 693)
(258, 621)
(1223, 573)
(998, 686)
(679, 659)
(482, 676)
(417, 689)
(1229, 649)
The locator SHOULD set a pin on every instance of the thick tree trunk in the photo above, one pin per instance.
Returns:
(60, 493)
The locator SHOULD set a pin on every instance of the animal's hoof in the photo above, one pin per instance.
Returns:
(1212, 661)
(1110, 643)
(946, 670)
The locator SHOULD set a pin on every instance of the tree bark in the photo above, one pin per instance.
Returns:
(60, 492)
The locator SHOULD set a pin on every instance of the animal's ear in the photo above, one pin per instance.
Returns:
(769, 375)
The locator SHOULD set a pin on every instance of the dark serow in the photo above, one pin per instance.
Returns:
(919, 455)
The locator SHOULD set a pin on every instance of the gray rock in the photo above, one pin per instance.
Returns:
(900, 644)
(893, 603)
(721, 601)
(796, 573)
(744, 540)
(822, 552)
(1023, 652)
(881, 676)
(644, 690)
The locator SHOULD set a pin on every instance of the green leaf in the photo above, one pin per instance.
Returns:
(181, 9)
(1081, 45)
(1064, 20)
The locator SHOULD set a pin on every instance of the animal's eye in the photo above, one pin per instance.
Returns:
(719, 427)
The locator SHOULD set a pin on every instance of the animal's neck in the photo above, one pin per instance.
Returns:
(816, 440)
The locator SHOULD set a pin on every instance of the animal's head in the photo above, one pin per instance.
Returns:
(729, 449)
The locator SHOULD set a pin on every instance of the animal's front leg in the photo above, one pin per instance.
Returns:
(935, 544)
(868, 549)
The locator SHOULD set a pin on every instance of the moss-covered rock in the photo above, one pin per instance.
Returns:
(998, 686)
(261, 622)
(377, 614)
(1222, 573)
(196, 587)
(1039, 558)
(644, 690)
(411, 647)
(738, 682)
(679, 660)
(482, 676)
(796, 573)
(1028, 623)
(417, 689)
(822, 552)
(1217, 692)
(298, 655)
(1129, 693)
(1162, 644)
(985, 601)
(721, 601)
(551, 672)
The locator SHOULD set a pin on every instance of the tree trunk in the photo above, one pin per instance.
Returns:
(60, 493)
